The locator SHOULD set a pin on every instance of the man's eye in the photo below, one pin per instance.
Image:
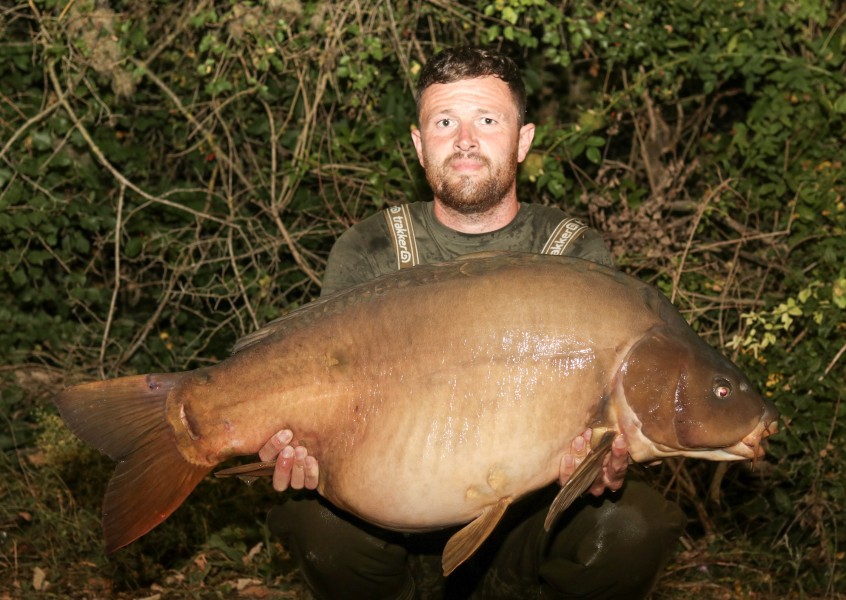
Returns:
(444, 123)
(488, 121)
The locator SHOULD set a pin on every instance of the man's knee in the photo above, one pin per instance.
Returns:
(640, 527)
(336, 556)
(622, 546)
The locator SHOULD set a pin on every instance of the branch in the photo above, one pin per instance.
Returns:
(113, 303)
(95, 149)
(834, 361)
(30, 122)
(209, 138)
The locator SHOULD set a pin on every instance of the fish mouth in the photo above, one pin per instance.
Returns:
(752, 446)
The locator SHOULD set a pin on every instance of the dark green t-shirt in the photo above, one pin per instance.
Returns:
(366, 251)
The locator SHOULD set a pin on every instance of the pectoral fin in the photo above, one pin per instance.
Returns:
(582, 479)
(467, 540)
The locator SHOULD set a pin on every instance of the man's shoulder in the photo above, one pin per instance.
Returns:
(362, 252)
(368, 226)
(563, 233)
(544, 213)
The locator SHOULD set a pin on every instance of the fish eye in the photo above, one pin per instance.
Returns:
(722, 388)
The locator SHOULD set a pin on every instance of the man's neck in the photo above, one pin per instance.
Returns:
(496, 218)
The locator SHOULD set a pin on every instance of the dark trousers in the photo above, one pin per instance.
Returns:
(609, 547)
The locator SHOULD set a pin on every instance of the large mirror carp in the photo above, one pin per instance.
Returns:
(431, 397)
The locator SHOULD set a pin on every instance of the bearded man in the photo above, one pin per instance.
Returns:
(472, 134)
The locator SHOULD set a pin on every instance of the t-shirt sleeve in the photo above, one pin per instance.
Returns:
(363, 252)
(591, 246)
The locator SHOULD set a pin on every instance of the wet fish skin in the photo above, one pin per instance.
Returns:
(431, 397)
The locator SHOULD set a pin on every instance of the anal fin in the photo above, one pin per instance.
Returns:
(582, 479)
(468, 539)
(249, 472)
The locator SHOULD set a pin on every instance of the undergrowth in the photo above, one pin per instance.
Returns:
(172, 176)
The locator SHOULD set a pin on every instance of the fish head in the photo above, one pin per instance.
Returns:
(688, 399)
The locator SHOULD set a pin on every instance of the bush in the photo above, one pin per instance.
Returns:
(172, 175)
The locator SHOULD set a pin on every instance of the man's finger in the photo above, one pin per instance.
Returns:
(282, 471)
(619, 457)
(312, 473)
(275, 444)
(579, 449)
(580, 446)
(616, 465)
(298, 468)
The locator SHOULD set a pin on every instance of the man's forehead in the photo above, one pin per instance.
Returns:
(482, 94)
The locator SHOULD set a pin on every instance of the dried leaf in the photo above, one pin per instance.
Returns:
(39, 579)
(252, 553)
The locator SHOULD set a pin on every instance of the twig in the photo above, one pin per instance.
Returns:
(116, 289)
(95, 149)
(240, 279)
(292, 247)
(699, 214)
(148, 326)
(834, 361)
(66, 9)
(686, 482)
(209, 138)
(716, 482)
(181, 25)
(273, 153)
(29, 123)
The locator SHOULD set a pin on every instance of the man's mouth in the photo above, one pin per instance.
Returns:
(466, 163)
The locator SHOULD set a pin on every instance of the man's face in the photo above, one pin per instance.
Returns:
(469, 142)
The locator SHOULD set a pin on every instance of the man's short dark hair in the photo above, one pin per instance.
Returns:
(458, 64)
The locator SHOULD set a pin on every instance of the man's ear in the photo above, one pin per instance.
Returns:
(527, 134)
(418, 144)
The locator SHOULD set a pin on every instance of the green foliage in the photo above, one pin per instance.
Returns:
(172, 175)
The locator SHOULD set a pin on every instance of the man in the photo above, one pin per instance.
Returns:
(471, 137)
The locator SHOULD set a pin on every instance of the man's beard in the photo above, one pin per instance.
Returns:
(470, 194)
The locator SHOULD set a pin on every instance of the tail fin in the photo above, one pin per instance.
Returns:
(126, 419)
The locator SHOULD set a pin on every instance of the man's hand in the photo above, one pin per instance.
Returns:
(294, 467)
(613, 467)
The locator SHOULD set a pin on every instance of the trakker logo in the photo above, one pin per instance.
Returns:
(564, 234)
(399, 223)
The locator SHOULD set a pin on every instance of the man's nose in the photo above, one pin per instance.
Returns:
(465, 137)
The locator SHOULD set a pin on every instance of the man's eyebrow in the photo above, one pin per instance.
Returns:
(479, 110)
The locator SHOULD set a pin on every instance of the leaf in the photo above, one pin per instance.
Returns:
(594, 155)
(39, 579)
(510, 15)
(133, 247)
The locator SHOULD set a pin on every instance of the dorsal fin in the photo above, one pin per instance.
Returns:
(340, 300)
